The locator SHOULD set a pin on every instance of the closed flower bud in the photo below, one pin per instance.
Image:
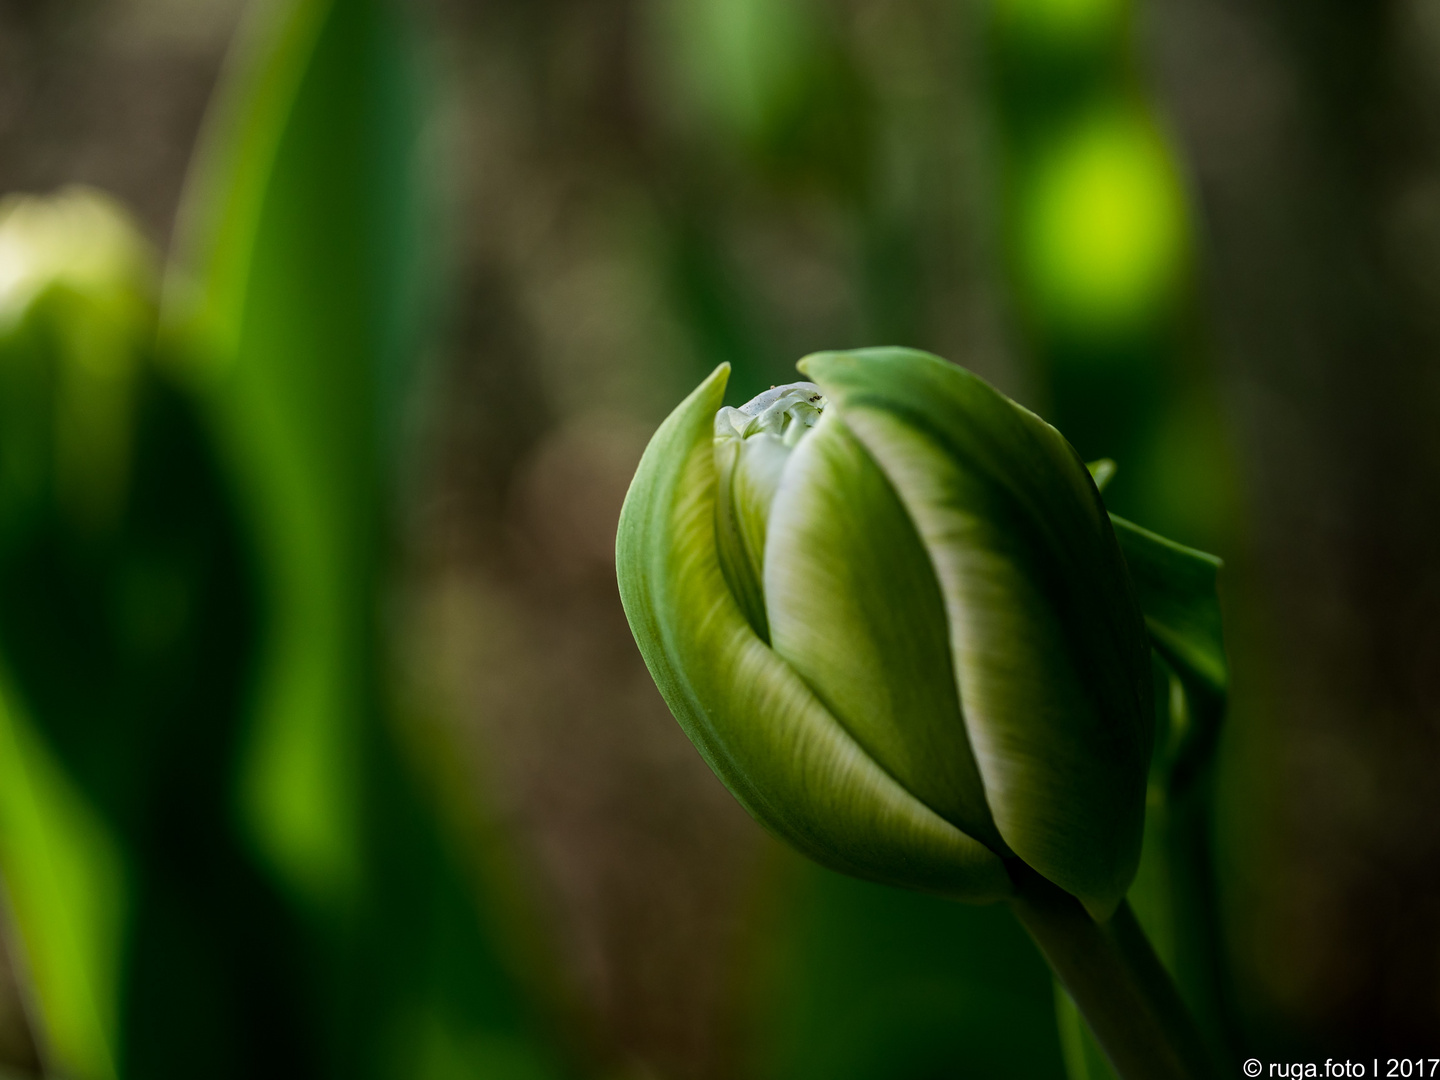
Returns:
(889, 609)
(77, 319)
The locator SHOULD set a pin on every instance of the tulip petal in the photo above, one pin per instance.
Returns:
(855, 609)
(747, 476)
(763, 732)
(752, 445)
(1049, 647)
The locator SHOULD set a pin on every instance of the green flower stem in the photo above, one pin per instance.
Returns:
(1114, 977)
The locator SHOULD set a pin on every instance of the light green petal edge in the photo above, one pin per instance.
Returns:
(762, 731)
(1058, 711)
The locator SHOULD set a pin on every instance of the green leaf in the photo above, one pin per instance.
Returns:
(1049, 648)
(65, 885)
(296, 302)
(854, 607)
(1177, 590)
(757, 724)
(1176, 586)
(293, 284)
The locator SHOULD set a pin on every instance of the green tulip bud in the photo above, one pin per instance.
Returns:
(889, 609)
(77, 319)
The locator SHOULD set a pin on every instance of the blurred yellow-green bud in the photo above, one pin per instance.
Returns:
(77, 311)
(889, 609)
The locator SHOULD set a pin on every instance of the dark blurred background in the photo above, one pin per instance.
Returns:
(1200, 236)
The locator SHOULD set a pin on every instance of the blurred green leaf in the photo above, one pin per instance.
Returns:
(65, 882)
(299, 287)
(127, 627)
(296, 303)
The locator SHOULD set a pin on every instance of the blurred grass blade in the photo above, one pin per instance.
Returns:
(64, 882)
(293, 234)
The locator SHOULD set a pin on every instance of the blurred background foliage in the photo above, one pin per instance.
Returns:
(324, 746)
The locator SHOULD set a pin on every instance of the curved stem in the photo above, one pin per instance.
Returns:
(1118, 983)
